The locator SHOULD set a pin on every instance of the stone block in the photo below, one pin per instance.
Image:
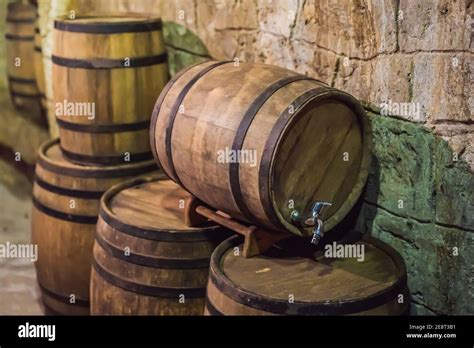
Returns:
(415, 173)
(384, 83)
(182, 12)
(312, 61)
(227, 28)
(354, 28)
(435, 25)
(441, 81)
(277, 16)
(274, 49)
(401, 177)
(454, 188)
(230, 14)
(439, 260)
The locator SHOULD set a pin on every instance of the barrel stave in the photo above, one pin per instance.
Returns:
(376, 285)
(19, 35)
(65, 209)
(162, 123)
(259, 141)
(146, 261)
(117, 57)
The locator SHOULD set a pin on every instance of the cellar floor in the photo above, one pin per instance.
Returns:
(19, 294)
(18, 291)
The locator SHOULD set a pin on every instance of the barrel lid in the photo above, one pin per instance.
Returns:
(51, 158)
(318, 152)
(152, 207)
(314, 281)
(108, 23)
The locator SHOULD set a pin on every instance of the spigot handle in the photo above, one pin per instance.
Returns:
(318, 208)
(311, 220)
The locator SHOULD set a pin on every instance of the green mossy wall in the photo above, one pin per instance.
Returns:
(183, 46)
(421, 201)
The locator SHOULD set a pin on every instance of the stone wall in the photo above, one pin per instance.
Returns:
(410, 62)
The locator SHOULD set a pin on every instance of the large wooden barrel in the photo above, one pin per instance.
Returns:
(65, 209)
(39, 70)
(283, 283)
(115, 66)
(146, 260)
(259, 141)
(19, 36)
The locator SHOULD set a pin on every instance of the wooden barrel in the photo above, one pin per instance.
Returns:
(146, 260)
(259, 141)
(19, 36)
(65, 209)
(39, 70)
(113, 67)
(282, 283)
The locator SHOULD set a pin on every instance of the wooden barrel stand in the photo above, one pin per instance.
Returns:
(256, 239)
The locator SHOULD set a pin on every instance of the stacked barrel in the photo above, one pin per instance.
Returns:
(272, 148)
(107, 71)
(66, 200)
(266, 148)
(21, 70)
(261, 147)
(147, 261)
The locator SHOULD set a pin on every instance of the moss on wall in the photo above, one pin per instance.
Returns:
(183, 46)
(420, 201)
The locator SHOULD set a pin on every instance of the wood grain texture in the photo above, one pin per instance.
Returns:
(19, 34)
(122, 95)
(146, 260)
(66, 206)
(39, 68)
(318, 151)
(55, 305)
(266, 284)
